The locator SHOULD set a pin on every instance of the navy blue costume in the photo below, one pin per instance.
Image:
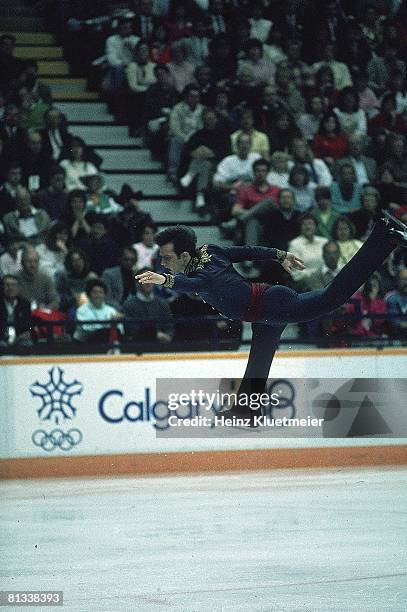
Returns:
(212, 275)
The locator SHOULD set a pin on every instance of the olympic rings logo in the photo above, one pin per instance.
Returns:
(57, 439)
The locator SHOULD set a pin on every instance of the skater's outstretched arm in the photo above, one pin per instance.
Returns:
(178, 282)
(288, 260)
(253, 253)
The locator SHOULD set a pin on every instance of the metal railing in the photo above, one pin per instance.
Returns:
(45, 341)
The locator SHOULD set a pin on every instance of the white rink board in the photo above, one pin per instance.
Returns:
(106, 387)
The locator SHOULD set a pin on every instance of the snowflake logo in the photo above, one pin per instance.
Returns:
(56, 396)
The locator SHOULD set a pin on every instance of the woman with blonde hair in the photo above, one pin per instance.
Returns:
(279, 174)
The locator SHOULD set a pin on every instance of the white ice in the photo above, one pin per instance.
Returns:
(284, 541)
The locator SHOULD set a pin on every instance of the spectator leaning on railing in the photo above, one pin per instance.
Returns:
(96, 310)
(15, 314)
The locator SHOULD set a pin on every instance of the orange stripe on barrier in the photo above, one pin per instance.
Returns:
(147, 464)
(200, 356)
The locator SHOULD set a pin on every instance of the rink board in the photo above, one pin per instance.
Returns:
(71, 416)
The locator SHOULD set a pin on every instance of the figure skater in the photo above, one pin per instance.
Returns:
(208, 271)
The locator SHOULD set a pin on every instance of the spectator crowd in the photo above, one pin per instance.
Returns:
(284, 122)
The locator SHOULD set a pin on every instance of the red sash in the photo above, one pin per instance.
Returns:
(256, 301)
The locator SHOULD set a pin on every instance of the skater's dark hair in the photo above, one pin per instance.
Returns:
(181, 236)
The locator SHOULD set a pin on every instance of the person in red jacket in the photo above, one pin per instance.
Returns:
(330, 144)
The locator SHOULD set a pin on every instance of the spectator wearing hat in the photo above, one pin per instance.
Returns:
(97, 200)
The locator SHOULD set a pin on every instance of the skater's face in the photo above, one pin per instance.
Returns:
(173, 262)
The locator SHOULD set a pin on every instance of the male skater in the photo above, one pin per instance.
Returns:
(208, 271)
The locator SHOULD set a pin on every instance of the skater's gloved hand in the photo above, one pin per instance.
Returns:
(150, 278)
(292, 262)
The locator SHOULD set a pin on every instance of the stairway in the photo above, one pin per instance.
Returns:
(125, 159)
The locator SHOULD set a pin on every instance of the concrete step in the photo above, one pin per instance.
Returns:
(60, 68)
(63, 86)
(82, 111)
(63, 81)
(210, 234)
(38, 53)
(32, 38)
(64, 95)
(169, 211)
(22, 24)
(119, 159)
(116, 135)
(150, 184)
